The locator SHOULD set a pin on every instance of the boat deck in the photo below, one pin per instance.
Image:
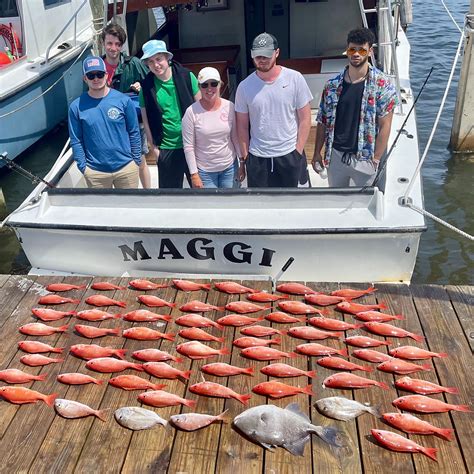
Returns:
(34, 439)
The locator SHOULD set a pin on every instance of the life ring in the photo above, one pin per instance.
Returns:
(8, 34)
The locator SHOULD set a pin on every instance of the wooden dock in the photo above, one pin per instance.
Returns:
(34, 439)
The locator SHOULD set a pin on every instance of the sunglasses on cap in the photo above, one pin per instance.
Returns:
(361, 51)
(205, 85)
(92, 75)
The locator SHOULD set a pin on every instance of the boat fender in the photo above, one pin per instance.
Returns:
(8, 34)
(406, 13)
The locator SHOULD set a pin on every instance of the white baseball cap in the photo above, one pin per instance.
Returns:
(208, 74)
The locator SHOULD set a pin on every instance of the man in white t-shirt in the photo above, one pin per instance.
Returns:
(275, 102)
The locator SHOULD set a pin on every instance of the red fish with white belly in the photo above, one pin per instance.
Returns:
(265, 353)
(36, 360)
(56, 299)
(22, 395)
(146, 334)
(101, 300)
(34, 347)
(311, 333)
(109, 364)
(18, 376)
(313, 349)
(261, 331)
(146, 285)
(96, 315)
(422, 404)
(297, 307)
(337, 363)
(199, 307)
(160, 398)
(244, 307)
(145, 316)
(387, 330)
(221, 369)
(415, 353)
(282, 318)
(332, 324)
(399, 366)
(155, 355)
(197, 321)
(212, 389)
(162, 370)
(133, 382)
(238, 320)
(275, 390)
(76, 378)
(198, 334)
(285, 370)
(413, 425)
(354, 308)
(377, 316)
(350, 293)
(422, 387)
(320, 299)
(39, 329)
(93, 351)
(233, 288)
(264, 297)
(249, 341)
(186, 285)
(370, 355)
(46, 314)
(154, 301)
(106, 286)
(59, 287)
(295, 289)
(364, 341)
(197, 350)
(351, 381)
(92, 332)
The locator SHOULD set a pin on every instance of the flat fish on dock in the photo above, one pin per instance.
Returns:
(343, 409)
(137, 418)
(297, 307)
(415, 353)
(212, 389)
(422, 404)
(96, 315)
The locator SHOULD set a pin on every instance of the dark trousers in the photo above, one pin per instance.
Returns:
(278, 172)
(172, 167)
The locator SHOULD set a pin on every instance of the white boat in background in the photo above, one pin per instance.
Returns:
(333, 234)
(46, 39)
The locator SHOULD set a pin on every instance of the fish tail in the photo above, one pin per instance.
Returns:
(283, 332)
(122, 304)
(186, 374)
(445, 433)
(171, 305)
(41, 377)
(374, 411)
(311, 373)
(178, 359)
(219, 326)
(460, 408)
(442, 354)
(115, 331)
(224, 351)
(383, 385)
(367, 369)
(121, 353)
(344, 353)
(330, 435)
(308, 390)
(101, 414)
(158, 386)
(220, 339)
(399, 316)
(168, 337)
(189, 403)
(223, 416)
(430, 452)
(138, 367)
(75, 301)
(206, 286)
(292, 355)
(276, 340)
(58, 350)
(117, 316)
(49, 399)
(387, 343)
(248, 371)
(417, 337)
(62, 328)
(324, 312)
(383, 306)
(358, 326)
(451, 390)
(219, 308)
(337, 335)
(426, 366)
(260, 318)
(71, 313)
(97, 381)
(371, 289)
(244, 399)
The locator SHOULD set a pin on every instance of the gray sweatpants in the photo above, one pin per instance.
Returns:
(351, 172)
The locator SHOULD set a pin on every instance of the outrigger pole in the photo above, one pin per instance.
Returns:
(275, 279)
(23, 172)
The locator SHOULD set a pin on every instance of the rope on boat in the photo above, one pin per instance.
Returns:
(451, 16)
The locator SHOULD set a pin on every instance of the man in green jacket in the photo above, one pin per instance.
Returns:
(124, 74)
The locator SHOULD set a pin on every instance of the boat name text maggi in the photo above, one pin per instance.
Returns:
(199, 248)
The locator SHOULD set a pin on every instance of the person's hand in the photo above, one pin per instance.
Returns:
(300, 149)
(376, 163)
(196, 181)
(136, 87)
(156, 152)
(317, 163)
(242, 171)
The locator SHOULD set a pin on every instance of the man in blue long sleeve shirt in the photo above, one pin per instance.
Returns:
(104, 131)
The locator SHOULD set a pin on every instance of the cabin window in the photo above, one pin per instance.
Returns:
(54, 3)
(8, 8)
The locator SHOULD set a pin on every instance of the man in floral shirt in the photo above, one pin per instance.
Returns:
(355, 117)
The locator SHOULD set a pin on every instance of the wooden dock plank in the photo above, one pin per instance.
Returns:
(462, 299)
(443, 332)
(3, 279)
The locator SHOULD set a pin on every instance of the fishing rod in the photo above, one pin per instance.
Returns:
(400, 132)
(23, 172)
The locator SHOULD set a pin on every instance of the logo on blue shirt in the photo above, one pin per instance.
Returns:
(113, 113)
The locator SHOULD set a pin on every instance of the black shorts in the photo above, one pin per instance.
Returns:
(172, 167)
(285, 171)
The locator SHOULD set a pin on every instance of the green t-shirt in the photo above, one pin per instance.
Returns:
(168, 101)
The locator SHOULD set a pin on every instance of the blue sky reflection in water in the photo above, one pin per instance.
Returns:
(444, 257)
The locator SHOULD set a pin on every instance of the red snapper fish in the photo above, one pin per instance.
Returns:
(261, 331)
(185, 285)
(160, 398)
(370, 355)
(244, 307)
(233, 288)
(21, 395)
(197, 321)
(332, 324)
(197, 350)
(399, 366)
(276, 390)
(154, 301)
(383, 329)
(154, 355)
(212, 389)
(400, 444)
(422, 387)
(195, 421)
(199, 307)
(92, 332)
(46, 314)
(133, 382)
(93, 351)
(265, 353)
(39, 329)
(414, 353)
(101, 300)
(295, 289)
(146, 334)
(310, 333)
(314, 349)
(354, 308)
(36, 360)
(413, 425)
(34, 347)
(56, 299)
(320, 299)
(71, 409)
(221, 369)
(297, 307)
(106, 286)
(96, 315)
(18, 376)
(198, 334)
(377, 316)
(337, 363)
(351, 381)
(58, 287)
(109, 364)
(143, 315)
(350, 293)
(282, 318)
(238, 320)
(422, 404)
(364, 341)
(75, 378)
(249, 341)
(147, 285)
(285, 370)
(264, 297)
(163, 370)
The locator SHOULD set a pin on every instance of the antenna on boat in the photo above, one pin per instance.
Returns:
(280, 273)
(400, 132)
(22, 171)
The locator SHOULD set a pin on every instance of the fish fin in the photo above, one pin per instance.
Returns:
(224, 351)
(383, 306)
(178, 359)
(101, 414)
(63, 328)
(169, 337)
(138, 367)
(297, 447)
(220, 339)
(295, 408)
(367, 369)
(426, 366)
(311, 373)
(461, 408)
(158, 386)
(308, 390)
(49, 400)
(430, 452)
(383, 385)
(206, 286)
(122, 304)
(98, 381)
(41, 377)
(277, 340)
(248, 371)
(330, 435)
(417, 337)
(121, 353)
(344, 353)
(373, 410)
(190, 403)
(58, 350)
(451, 390)
(244, 399)
(117, 316)
(186, 374)
(223, 416)
(292, 355)
(116, 331)
(399, 316)
(371, 289)
(445, 433)
(442, 354)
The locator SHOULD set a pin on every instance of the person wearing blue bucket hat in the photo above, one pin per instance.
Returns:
(167, 91)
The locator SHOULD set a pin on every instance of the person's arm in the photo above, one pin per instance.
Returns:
(75, 134)
(187, 130)
(381, 141)
(131, 122)
(149, 136)
(318, 146)
(242, 120)
(195, 87)
(304, 127)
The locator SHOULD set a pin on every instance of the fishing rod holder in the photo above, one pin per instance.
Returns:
(22, 171)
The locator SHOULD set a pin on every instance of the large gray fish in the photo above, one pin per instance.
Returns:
(137, 418)
(344, 409)
(289, 428)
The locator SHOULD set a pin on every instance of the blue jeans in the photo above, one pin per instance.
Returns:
(227, 178)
